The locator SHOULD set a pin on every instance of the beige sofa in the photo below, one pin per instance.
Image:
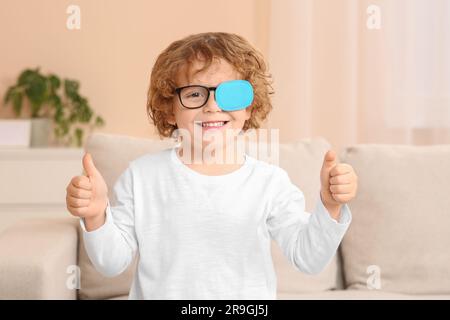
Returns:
(397, 246)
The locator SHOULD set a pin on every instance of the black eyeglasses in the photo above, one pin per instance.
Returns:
(194, 96)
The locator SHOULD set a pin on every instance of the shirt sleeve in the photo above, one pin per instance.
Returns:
(111, 247)
(309, 241)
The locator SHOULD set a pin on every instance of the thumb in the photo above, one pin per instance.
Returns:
(88, 165)
(329, 160)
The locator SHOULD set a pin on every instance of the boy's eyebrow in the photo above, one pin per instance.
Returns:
(199, 83)
(193, 83)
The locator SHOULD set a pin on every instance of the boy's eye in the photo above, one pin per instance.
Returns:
(193, 94)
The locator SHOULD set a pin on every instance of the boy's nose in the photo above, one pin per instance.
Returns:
(211, 104)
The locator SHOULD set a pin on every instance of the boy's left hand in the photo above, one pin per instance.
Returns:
(339, 183)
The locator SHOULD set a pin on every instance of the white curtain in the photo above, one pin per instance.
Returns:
(337, 78)
(418, 48)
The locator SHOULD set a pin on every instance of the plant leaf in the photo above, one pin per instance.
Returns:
(99, 121)
(55, 82)
(17, 102)
(79, 136)
(27, 76)
(8, 95)
(36, 91)
(71, 88)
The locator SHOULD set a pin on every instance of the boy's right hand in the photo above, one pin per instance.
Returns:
(87, 195)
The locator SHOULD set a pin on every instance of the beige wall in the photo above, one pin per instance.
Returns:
(114, 51)
(329, 69)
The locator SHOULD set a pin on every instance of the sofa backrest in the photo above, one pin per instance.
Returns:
(302, 160)
(399, 239)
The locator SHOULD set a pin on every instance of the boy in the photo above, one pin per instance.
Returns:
(203, 230)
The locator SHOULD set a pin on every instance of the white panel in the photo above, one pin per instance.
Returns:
(37, 176)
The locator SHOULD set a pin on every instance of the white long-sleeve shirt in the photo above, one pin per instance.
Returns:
(208, 237)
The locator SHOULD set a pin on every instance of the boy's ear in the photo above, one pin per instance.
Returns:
(248, 112)
(171, 119)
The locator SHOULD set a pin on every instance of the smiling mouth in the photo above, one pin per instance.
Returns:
(212, 124)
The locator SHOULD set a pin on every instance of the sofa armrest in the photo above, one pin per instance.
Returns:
(38, 259)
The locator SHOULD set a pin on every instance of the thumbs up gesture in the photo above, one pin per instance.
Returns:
(338, 183)
(87, 195)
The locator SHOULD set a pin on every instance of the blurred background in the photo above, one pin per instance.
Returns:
(352, 71)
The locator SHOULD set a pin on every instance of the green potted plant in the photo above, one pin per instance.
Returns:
(51, 98)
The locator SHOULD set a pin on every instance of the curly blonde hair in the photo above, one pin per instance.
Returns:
(237, 51)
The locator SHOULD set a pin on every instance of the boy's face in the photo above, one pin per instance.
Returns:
(196, 119)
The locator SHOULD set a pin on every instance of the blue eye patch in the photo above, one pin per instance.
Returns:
(234, 95)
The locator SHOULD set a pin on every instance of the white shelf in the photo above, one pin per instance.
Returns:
(34, 181)
(27, 154)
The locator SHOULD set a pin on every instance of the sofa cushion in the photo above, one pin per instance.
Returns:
(359, 295)
(302, 160)
(401, 219)
(37, 259)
